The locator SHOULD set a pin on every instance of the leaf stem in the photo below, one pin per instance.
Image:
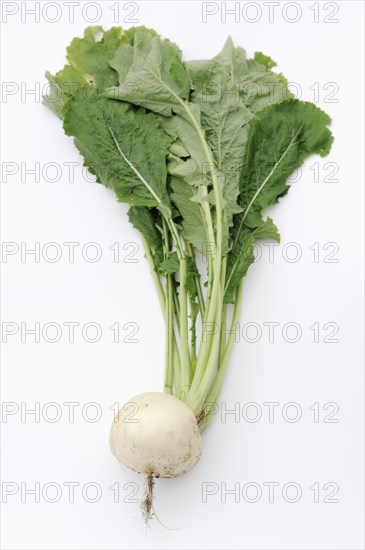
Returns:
(193, 335)
(184, 332)
(211, 344)
(197, 281)
(154, 272)
(222, 332)
(169, 362)
(162, 299)
(213, 306)
(222, 369)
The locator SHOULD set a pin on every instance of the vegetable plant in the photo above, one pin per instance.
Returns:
(198, 150)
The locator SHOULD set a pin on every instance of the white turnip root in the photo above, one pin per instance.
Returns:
(156, 434)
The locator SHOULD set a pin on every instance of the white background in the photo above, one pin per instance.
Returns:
(306, 292)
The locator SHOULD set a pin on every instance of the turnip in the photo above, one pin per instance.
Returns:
(161, 437)
(198, 150)
(156, 434)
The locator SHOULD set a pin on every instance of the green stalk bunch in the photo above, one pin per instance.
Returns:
(198, 149)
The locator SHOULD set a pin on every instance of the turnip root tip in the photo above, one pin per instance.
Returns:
(147, 503)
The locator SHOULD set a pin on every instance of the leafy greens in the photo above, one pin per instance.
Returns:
(198, 150)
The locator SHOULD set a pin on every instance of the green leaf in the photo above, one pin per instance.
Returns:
(261, 87)
(125, 148)
(239, 260)
(267, 230)
(192, 221)
(229, 89)
(151, 74)
(264, 60)
(55, 99)
(223, 116)
(192, 273)
(282, 136)
(242, 256)
(89, 57)
(145, 219)
(193, 164)
(170, 265)
(88, 65)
